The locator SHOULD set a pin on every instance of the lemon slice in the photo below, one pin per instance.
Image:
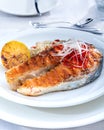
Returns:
(13, 53)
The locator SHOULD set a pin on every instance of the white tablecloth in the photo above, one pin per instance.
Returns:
(66, 10)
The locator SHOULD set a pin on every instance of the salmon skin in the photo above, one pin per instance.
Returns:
(63, 67)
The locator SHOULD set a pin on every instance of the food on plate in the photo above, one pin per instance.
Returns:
(64, 65)
(33, 67)
(13, 53)
(40, 46)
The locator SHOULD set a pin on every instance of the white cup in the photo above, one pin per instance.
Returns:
(26, 7)
(18, 7)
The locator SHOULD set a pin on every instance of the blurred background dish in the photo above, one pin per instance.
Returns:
(26, 7)
(100, 4)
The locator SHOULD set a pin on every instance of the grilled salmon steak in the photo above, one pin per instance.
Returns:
(33, 67)
(71, 64)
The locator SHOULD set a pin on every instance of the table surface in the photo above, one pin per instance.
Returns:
(69, 12)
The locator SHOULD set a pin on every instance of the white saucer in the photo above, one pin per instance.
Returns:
(52, 118)
(26, 8)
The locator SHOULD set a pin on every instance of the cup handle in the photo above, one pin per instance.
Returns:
(37, 7)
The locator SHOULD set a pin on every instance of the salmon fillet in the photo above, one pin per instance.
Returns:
(64, 77)
(33, 67)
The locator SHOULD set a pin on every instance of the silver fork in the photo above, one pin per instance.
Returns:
(83, 23)
(68, 25)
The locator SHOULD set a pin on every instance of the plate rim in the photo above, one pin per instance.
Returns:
(12, 118)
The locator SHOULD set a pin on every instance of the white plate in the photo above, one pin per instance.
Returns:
(52, 118)
(26, 8)
(55, 99)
